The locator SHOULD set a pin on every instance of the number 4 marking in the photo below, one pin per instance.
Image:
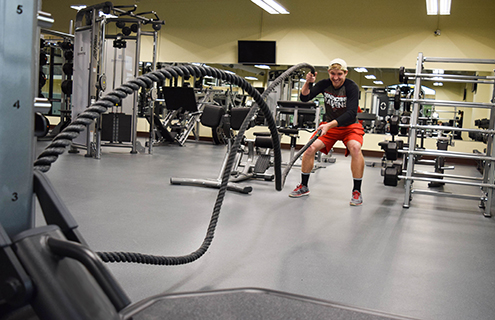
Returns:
(17, 104)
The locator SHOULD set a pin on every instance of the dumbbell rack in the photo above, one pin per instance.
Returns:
(486, 197)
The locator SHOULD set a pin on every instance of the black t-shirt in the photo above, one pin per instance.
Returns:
(341, 104)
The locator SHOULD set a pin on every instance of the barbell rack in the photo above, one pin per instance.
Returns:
(485, 183)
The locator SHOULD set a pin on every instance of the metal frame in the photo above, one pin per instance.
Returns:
(98, 38)
(487, 184)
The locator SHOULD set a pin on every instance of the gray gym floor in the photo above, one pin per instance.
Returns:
(435, 260)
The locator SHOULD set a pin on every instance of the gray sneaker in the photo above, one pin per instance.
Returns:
(299, 191)
(356, 199)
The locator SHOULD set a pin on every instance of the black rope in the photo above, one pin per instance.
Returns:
(268, 90)
(297, 155)
(285, 75)
(62, 140)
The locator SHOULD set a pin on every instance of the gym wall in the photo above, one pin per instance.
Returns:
(378, 33)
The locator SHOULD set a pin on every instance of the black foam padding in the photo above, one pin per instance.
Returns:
(180, 97)
(212, 115)
(237, 116)
(296, 104)
(263, 142)
(288, 131)
(245, 304)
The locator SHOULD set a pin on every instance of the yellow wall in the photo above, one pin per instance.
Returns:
(378, 33)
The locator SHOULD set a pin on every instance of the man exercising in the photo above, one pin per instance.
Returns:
(341, 104)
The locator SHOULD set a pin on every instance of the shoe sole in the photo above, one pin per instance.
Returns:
(299, 195)
(355, 204)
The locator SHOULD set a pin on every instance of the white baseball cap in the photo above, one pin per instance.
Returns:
(342, 63)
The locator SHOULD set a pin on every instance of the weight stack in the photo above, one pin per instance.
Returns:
(116, 127)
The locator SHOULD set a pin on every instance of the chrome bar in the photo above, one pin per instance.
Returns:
(459, 60)
(473, 184)
(454, 176)
(446, 194)
(447, 128)
(451, 103)
(451, 76)
(447, 154)
(57, 33)
(412, 133)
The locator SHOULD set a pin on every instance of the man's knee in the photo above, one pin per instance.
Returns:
(313, 149)
(354, 148)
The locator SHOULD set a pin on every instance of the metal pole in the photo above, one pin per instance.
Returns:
(100, 71)
(135, 95)
(488, 172)
(412, 132)
(18, 84)
(447, 154)
(458, 60)
(445, 194)
(451, 103)
(151, 139)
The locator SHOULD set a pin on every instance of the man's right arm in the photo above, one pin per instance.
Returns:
(306, 88)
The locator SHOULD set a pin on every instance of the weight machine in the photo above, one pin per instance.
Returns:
(487, 182)
(104, 61)
(60, 46)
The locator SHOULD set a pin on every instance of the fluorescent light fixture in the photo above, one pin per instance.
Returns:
(271, 6)
(378, 82)
(262, 66)
(101, 14)
(251, 78)
(107, 15)
(435, 7)
(78, 7)
(276, 6)
(438, 71)
(438, 84)
(361, 69)
(370, 77)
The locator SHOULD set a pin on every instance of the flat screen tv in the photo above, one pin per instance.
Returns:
(256, 52)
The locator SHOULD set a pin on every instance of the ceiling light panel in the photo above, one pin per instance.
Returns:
(271, 6)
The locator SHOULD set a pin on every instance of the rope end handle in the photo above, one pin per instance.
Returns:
(312, 71)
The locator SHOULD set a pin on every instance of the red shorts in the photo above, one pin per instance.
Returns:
(354, 131)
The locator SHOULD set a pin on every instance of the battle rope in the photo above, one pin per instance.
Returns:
(297, 155)
(268, 90)
(285, 75)
(62, 140)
